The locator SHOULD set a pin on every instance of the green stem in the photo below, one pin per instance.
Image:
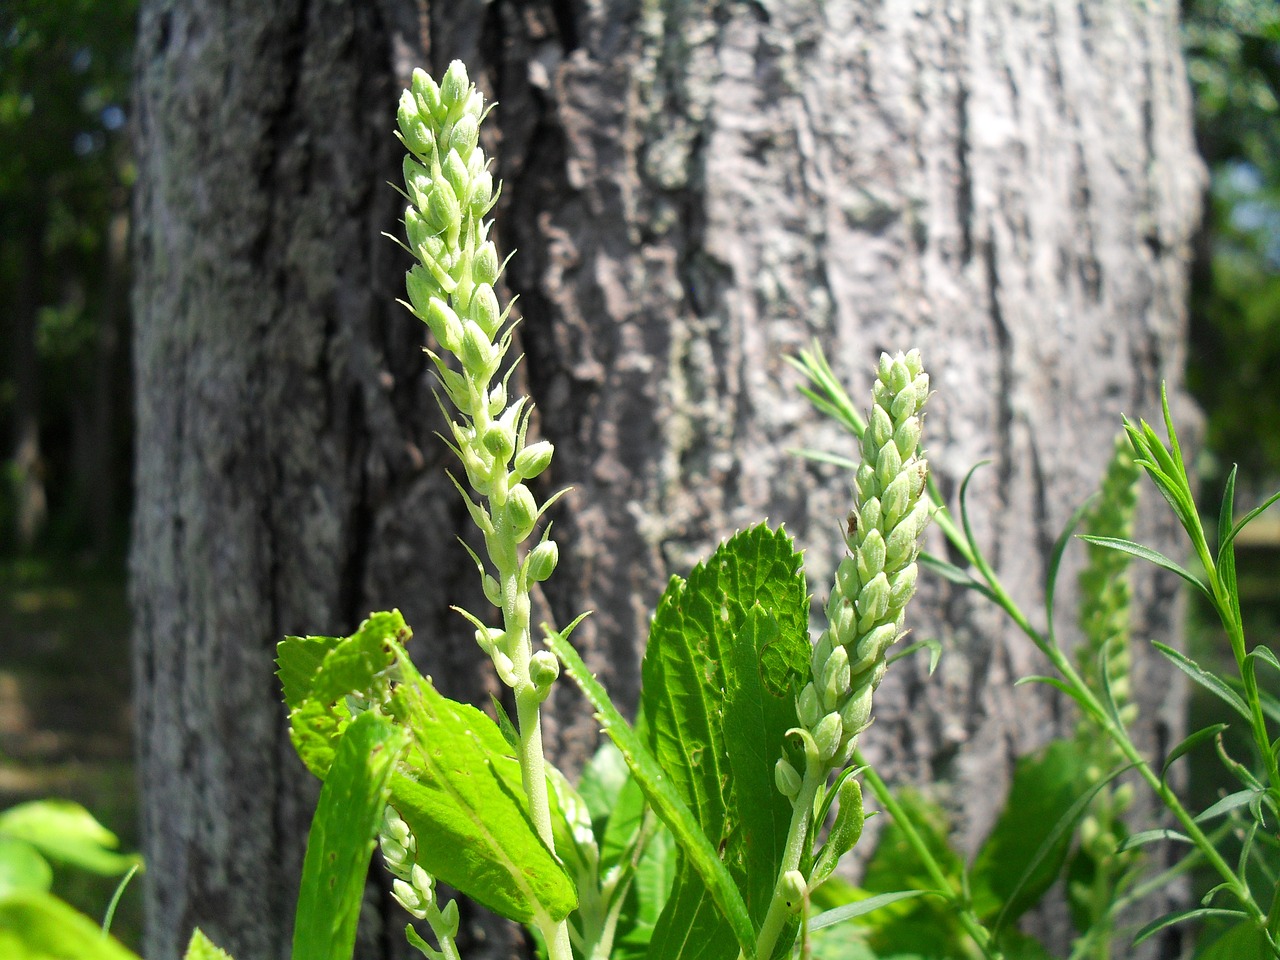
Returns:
(815, 775)
(980, 935)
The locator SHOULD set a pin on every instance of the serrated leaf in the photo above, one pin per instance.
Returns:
(662, 796)
(342, 837)
(1210, 681)
(35, 925)
(201, 947)
(726, 650)
(461, 795)
(298, 659)
(68, 833)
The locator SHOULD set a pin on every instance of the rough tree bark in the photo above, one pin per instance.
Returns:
(696, 189)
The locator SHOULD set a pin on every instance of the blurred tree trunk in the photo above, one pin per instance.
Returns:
(31, 506)
(696, 190)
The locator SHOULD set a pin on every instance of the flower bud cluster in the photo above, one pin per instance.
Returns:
(452, 289)
(877, 576)
(413, 888)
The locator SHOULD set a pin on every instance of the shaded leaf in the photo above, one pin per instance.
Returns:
(1190, 743)
(1210, 681)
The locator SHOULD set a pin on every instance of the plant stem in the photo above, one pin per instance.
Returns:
(815, 775)
(980, 935)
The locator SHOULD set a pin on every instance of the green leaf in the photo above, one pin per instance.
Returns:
(1055, 560)
(1153, 556)
(22, 867)
(1211, 682)
(202, 948)
(1244, 941)
(649, 891)
(343, 833)
(1190, 743)
(462, 797)
(1152, 836)
(68, 833)
(298, 659)
(662, 796)
(860, 908)
(1023, 855)
(1169, 919)
(1228, 803)
(726, 650)
(1226, 561)
(35, 925)
(1251, 516)
(601, 784)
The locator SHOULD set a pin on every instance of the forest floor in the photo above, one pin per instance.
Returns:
(65, 717)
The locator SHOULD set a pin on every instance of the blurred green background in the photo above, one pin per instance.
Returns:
(65, 175)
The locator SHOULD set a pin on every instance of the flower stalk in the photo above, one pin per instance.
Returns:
(451, 288)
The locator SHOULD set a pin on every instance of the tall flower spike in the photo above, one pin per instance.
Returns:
(877, 575)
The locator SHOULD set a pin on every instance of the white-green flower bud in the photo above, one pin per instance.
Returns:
(872, 516)
(485, 265)
(489, 638)
(902, 586)
(888, 465)
(544, 668)
(445, 324)
(848, 581)
(872, 647)
(499, 441)
(856, 712)
(884, 368)
(455, 86)
(396, 829)
(872, 602)
(907, 437)
(523, 511)
(423, 883)
(442, 210)
(843, 620)
(427, 93)
(464, 136)
(481, 193)
(869, 558)
(417, 135)
(455, 171)
(835, 678)
(505, 669)
(422, 287)
(896, 499)
(880, 427)
(903, 543)
(484, 309)
(542, 560)
(497, 399)
(417, 183)
(794, 890)
(827, 735)
(478, 354)
(808, 707)
(409, 898)
(533, 459)
(786, 779)
(394, 853)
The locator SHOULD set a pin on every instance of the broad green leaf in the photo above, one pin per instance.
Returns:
(649, 891)
(1005, 878)
(622, 828)
(664, 799)
(35, 925)
(1210, 681)
(298, 660)
(202, 948)
(66, 832)
(343, 834)
(1152, 556)
(462, 797)
(725, 652)
(1190, 743)
(22, 867)
(601, 783)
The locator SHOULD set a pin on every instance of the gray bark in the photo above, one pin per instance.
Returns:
(695, 189)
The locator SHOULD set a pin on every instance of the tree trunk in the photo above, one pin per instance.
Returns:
(695, 190)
